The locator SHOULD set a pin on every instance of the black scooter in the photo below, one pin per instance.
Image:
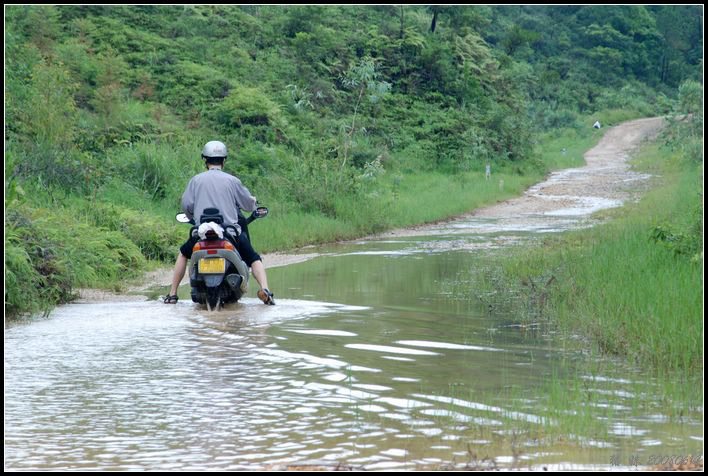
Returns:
(217, 273)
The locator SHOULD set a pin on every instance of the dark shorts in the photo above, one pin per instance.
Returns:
(243, 246)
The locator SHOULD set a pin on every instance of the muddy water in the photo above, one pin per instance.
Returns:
(377, 356)
(371, 359)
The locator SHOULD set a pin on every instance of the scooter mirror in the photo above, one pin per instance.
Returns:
(182, 218)
(261, 212)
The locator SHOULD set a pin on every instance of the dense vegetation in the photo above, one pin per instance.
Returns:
(328, 111)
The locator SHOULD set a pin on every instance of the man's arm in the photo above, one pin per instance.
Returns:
(244, 200)
(188, 200)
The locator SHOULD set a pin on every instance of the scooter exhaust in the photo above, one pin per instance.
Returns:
(234, 281)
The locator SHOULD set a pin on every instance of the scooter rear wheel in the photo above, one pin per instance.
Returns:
(213, 298)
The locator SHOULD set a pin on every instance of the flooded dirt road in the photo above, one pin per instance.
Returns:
(564, 200)
(567, 197)
(376, 357)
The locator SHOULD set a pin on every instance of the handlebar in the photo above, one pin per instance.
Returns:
(260, 212)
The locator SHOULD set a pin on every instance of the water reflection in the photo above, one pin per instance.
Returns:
(382, 367)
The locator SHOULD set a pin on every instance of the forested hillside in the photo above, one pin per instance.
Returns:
(328, 112)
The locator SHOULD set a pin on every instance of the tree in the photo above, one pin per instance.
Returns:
(517, 37)
(51, 111)
(435, 10)
(109, 87)
(362, 78)
(677, 27)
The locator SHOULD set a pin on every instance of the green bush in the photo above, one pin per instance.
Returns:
(49, 254)
(51, 167)
(50, 112)
(156, 238)
(691, 97)
(556, 118)
(190, 86)
(315, 184)
(22, 281)
(246, 105)
(160, 169)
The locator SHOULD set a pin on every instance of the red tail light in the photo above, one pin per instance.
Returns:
(213, 245)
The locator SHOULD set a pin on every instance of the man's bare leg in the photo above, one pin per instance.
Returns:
(260, 275)
(180, 269)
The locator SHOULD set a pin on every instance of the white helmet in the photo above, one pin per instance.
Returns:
(214, 148)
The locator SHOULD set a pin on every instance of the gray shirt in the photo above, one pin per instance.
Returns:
(217, 189)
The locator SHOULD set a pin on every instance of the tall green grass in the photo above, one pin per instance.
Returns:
(396, 202)
(632, 294)
(48, 254)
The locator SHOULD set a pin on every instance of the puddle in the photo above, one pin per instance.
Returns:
(144, 386)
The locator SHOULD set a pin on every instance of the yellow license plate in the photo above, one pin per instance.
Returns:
(212, 265)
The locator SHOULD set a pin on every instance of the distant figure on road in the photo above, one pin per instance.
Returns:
(596, 125)
(488, 171)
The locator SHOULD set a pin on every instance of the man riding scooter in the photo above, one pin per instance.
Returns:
(218, 189)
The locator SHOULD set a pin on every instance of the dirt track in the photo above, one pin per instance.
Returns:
(605, 177)
(604, 182)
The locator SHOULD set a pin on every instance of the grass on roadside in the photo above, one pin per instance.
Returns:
(632, 290)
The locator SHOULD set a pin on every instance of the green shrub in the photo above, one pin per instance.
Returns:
(161, 169)
(557, 118)
(187, 86)
(51, 167)
(315, 184)
(49, 254)
(50, 112)
(22, 281)
(691, 97)
(156, 238)
(246, 105)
